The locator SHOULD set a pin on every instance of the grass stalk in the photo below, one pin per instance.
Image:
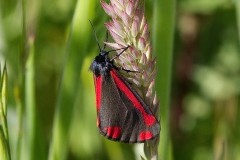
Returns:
(33, 136)
(19, 86)
(70, 81)
(164, 22)
(20, 122)
(33, 139)
(4, 81)
(3, 146)
(30, 100)
(4, 137)
(238, 17)
(3, 103)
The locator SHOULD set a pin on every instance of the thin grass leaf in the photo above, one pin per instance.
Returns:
(164, 22)
(4, 137)
(70, 81)
(237, 3)
(4, 153)
(30, 100)
(3, 109)
(33, 137)
(4, 89)
(19, 108)
(18, 90)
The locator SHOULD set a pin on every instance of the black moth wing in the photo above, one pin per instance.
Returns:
(118, 117)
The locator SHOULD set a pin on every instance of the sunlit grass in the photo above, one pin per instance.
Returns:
(163, 42)
(5, 151)
(70, 83)
(48, 48)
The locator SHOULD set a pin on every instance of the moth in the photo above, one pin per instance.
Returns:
(122, 115)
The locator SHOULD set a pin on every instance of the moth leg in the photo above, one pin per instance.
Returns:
(127, 70)
(123, 49)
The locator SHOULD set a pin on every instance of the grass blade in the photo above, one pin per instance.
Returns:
(164, 21)
(70, 82)
(238, 17)
(33, 135)
(4, 137)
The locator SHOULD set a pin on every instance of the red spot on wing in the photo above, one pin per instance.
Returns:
(148, 118)
(145, 136)
(98, 90)
(113, 132)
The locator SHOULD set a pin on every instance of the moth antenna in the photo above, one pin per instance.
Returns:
(95, 34)
(105, 45)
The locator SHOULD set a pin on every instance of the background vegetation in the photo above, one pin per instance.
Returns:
(48, 47)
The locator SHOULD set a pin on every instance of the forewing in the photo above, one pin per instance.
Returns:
(122, 115)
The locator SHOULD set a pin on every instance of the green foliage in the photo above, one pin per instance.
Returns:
(4, 136)
(48, 48)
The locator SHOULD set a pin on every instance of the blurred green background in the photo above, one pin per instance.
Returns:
(48, 47)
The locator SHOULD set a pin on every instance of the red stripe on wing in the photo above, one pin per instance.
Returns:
(98, 90)
(148, 118)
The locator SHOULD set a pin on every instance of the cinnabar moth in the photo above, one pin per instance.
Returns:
(122, 115)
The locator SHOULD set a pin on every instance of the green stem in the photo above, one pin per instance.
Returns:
(70, 82)
(4, 152)
(3, 102)
(3, 110)
(30, 100)
(20, 124)
(23, 26)
(238, 17)
(5, 131)
(33, 136)
(19, 86)
(164, 24)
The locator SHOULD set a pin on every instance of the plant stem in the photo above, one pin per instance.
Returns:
(70, 81)
(4, 108)
(19, 86)
(20, 123)
(30, 100)
(4, 152)
(238, 17)
(164, 22)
